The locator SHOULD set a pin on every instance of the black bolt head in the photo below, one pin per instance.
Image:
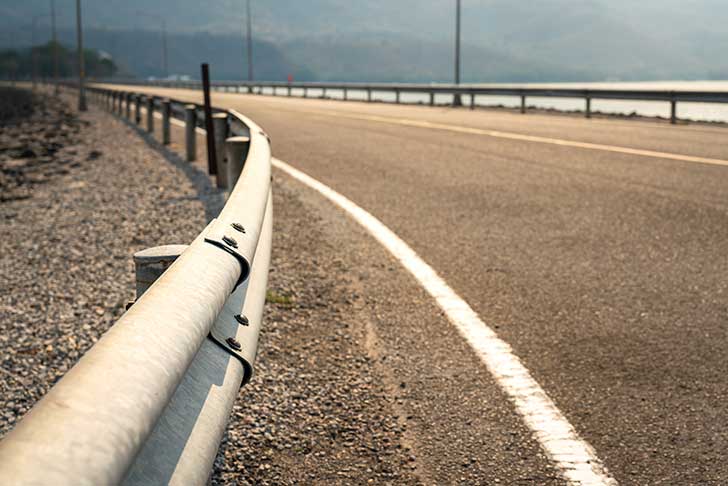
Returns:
(242, 320)
(230, 241)
(238, 227)
(233, 343)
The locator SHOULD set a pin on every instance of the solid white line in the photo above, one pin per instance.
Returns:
(575, 457)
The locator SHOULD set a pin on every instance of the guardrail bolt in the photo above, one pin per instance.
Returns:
(242, 320)
(234, 343)
(230, 241)
(238, 227)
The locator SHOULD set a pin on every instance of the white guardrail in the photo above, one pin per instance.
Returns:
(459, 93)
(150, 401)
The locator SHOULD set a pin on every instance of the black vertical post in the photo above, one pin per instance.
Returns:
(211, 156)
(81, 67)
(55, 48)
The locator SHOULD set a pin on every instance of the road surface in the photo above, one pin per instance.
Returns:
(595, 248)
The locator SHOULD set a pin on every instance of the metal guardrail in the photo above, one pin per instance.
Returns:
(464, 90)
(149, 402)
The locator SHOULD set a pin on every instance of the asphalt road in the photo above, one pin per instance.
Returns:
(604, 270)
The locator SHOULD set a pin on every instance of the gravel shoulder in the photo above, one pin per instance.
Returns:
(66, 270)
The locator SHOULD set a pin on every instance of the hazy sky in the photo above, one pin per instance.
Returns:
(596, 39)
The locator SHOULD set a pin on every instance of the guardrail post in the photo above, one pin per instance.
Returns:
(221, 129)
(190, 132)
(166, 121)
(150, 114)
(369, 95)
(138, 109)
(236, 149)
(305, 92)
(128, 105)
(523, 103)
(323, 93)
(432, 98)
(289, 91)
(397, 96)
(120, 105)
(346, 94)
(472, 101)
(151, 263)
(587, 110)
(673, 109)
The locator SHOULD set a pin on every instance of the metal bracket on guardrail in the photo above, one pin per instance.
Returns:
(230, 343)
(228, 332)
(226, 237)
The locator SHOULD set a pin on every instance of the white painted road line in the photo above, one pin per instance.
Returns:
(521, 137)
(572, 455)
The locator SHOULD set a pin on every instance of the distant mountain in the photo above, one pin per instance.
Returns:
(411, 40)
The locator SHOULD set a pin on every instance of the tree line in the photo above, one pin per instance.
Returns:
(39, 61)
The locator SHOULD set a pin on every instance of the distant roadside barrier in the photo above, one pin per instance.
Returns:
(367, 92)
(149, 402)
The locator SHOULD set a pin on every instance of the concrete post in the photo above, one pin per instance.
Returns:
(166, 121)
(190, 132)
(236, 149)
(150, 114)
(151, 263)
(220, 128)
(137, 109)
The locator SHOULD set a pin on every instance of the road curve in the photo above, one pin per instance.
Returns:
(602, 267)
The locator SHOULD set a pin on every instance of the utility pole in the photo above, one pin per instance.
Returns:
(55, 46)
(81, 69)
(457, 101)
(250, 44)
(34, 51)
